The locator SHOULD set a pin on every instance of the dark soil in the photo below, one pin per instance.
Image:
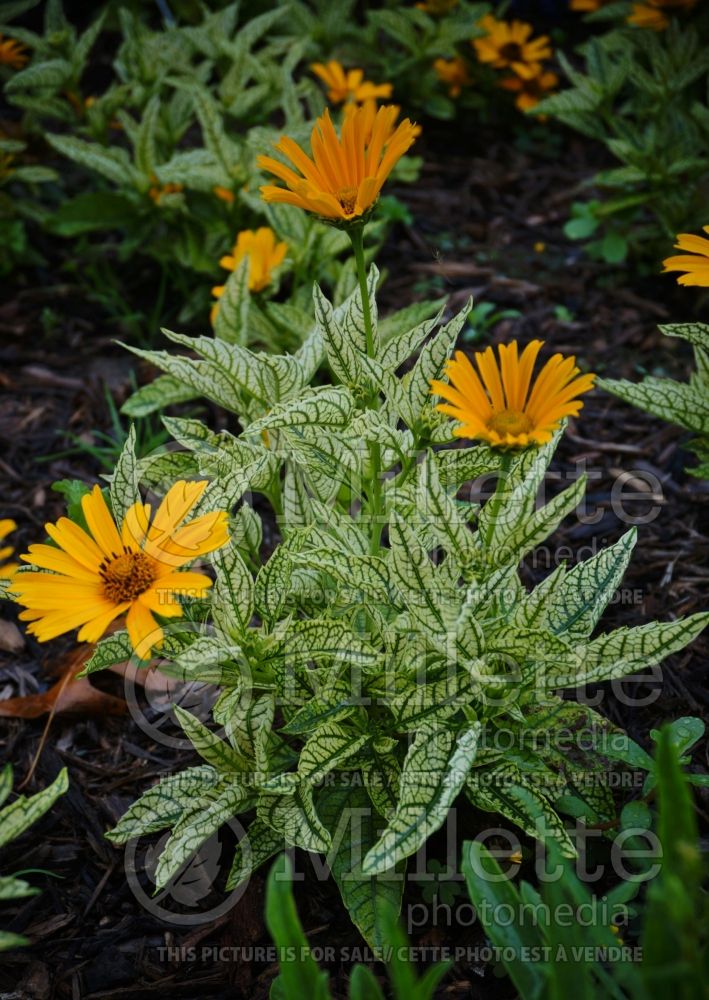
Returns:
(480, 219)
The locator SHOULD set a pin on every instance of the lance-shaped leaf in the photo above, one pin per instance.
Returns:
(578, 600)
(440, 510)
(198, 822)
(677, 402)
(414, 574)
(26, 810)
(368, 574)
(433, 774)
(323, 406)
(439, 700)
(115, 648)
(417, 383)
(515, 543)
(257, 845)
(163, 804)
(335, 703)
(625, 650)
(231, 324)
(208, 745)
(400, 348)
(511, 792)
(354, 827)
(232, 594)
(124, 480)
(328, 747)
(342, 352)
(294, 817)
(162, 391)
(326, 639)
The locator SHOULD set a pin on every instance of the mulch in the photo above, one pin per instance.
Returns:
(487, 221)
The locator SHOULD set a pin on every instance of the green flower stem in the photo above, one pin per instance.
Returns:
(356, 234)
(496, 499)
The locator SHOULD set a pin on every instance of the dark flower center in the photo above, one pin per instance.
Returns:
(127, 576)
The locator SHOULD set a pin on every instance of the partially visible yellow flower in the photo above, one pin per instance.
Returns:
(589, 5)
(454, 72)
(349, 85)
(264, 254)
(96, 575)
(530, 92)
(224, 194)
(650, 13)
(342, 180)
(13, 53)
(695, 262)
(437, 7)
(507, 45)
(7, 525)
(498, 406)
(158, 191)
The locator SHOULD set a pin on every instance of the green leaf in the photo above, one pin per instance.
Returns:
(231, 324)
(674, 401)
(347, 813)
(199, 820)
(162, 391)
(124, 480)
(233, 593)
(26, 810)
(112, 163)
(294, 817)
(208, 745)
(299, 972)
(434, 771)
(329, 747)
(258, 844)
(163, 804)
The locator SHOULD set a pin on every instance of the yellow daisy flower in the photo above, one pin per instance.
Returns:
(98, 574)
(13, 53)
(695, 262)
(530, 92)
(7, 525)
(224, 194)
(349, 85)
(650, 14)
(589, 5)
(264, 254)
(437, 7)
(501, 405)
(507, 45)
(342, 180)
(454, 72)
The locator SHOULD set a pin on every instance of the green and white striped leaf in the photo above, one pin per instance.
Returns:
(341, 350)
(233, 593)
(320, 639)
(208, 745)
(162, 391)
(328, 747)
(626, 650)
(295, 818)
(115, 648)
(677, 402)
(231, 324)
(258, 844)
(504, 789)
(353, 826)
(26, 810)
(323, 406)
(163, 804)
(111, 162)
(124, 480)
(433, 774)
(414, 574)
(198, 822)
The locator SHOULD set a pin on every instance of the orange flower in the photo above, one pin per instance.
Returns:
(499, 404)
(530, 92)
(349, 85)
(13, 53)
(650, 14)
(224, 194)
(342, 180)
(437, 7)
(507, 45)
(7, 526)
(264, 254)
(589, 5)
(158, 191)
(695, 261)
(90, 577)
(454, 72)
